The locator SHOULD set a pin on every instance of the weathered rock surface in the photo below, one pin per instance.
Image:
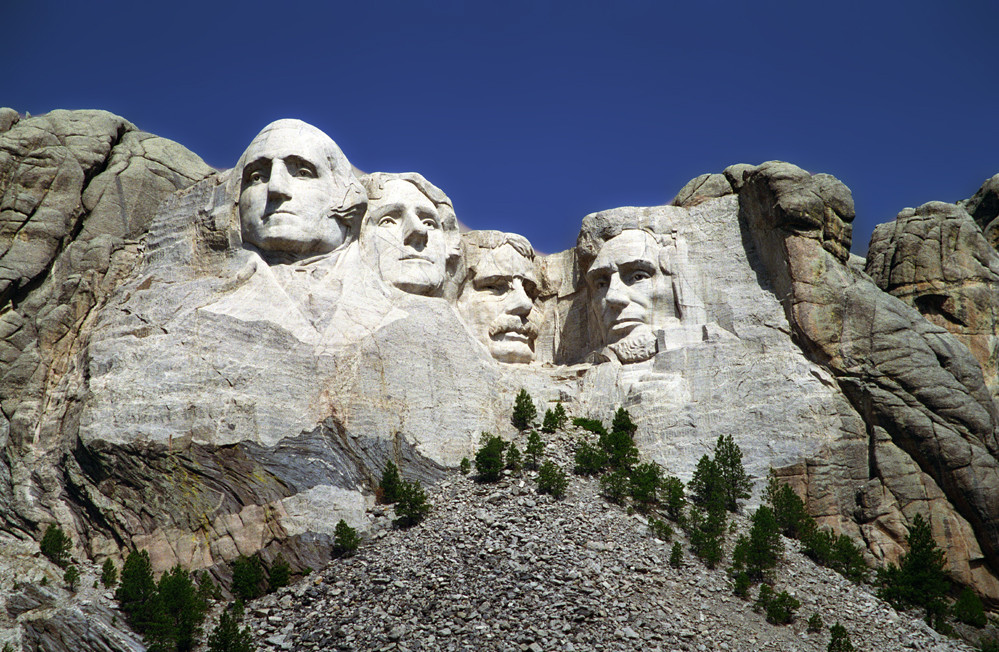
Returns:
(499, 567)
(930, 418)
(165, 387)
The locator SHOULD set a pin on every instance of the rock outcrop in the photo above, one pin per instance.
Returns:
(168, 386)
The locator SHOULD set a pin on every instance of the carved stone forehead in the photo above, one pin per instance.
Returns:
(598, 228)
(628, 246)
(289, 136)
(504, 261)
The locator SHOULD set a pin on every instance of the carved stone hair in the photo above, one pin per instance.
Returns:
(374, 184)
(475, 242)
(600, 227)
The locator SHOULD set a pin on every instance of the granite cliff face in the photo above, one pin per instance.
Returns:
(174, 382)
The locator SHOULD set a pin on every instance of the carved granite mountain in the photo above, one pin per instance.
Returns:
(167, 386)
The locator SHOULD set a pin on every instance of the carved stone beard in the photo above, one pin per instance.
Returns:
(637, 346)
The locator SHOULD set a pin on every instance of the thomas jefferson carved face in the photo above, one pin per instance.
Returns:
(294, 182)
(496, 303)
(405, 232)
(629, 291)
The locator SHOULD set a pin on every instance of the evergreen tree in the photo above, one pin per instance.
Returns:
(71, 577)
(919, 579)
(390, 483)
(676, 555)
(247, 577)
(412, 506)
(789, 509)
(345, 539)
(549, 424)
(705, 485)
(489, 458)
(589, 459)
(737, 484)
(109, 574)
(56, 545)
(646, 482)
(673, 498)
(513, 459)
(706, 529)
(185, 608)
(969, 609)
(619, 443)
(523, 411)
(552, 480)
(279, 573)
(139, 598)
(534, 450)
(560, 416)
(760, 551)
(227, 635)
(839, 639)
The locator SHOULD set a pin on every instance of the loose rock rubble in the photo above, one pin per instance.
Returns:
(499, 567)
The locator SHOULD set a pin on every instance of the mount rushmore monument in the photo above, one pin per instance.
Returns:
(206, 363)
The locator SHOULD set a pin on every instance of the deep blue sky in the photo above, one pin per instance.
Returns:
(530, 114)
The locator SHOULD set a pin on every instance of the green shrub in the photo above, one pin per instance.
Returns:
(590, 425)
(759, 552)
(391, 483)
(779, 607)
(489, 461)
(139, 598)
(513, 460)
(848, 559)
(227, 635)
(247, 578)
(465, 467)
(676, 555)
(815, 623)
(345, 539)
(735, 481)
(412, 506)
(552, 480)
(71, 577)
(534, 450)
(109, 574)
(524, 411)
(969, 609)
(646, 481)
(590, 459)
(661, 529)
(185, 609)
(839, 639)
(919, 579)
(673, 498)
(615, 486)
(279, 574)
(56, 545)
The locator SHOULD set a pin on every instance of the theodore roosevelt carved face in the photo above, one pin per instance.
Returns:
(410, 233)
(498, 294)
(297, 194)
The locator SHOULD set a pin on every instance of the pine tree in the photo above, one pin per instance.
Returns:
(139, 598)
(412, 506)
(56, 545)
(839, 639)
(549, 424)
(760, 551)
(279, 573)
(109, 574)
(524, 411)
(390, 483)
(185, 608)
(789, 509)
(560, 416)
(345, 539)
(227, 635)
(737, 484)
(247, 577)
(534, 450)
(71, 577)
(919, 579)
(489, 461)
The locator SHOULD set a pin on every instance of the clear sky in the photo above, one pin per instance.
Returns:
(532, 113)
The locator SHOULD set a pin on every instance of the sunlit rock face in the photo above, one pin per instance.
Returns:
(297, 194)
(236, 384)
(497, 295)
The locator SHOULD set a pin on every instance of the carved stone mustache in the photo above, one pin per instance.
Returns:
(511, 324)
